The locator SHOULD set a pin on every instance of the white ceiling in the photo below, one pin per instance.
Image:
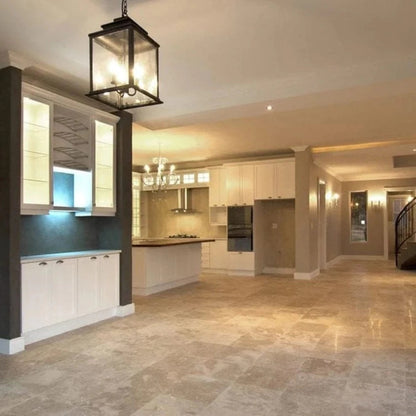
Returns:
(336, 72)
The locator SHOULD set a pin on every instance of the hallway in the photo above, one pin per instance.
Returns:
(342, 344)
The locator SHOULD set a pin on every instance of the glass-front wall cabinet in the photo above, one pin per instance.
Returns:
(104, 165)
(68, 156)
(36, 157)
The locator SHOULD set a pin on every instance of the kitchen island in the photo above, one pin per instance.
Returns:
(164, 263)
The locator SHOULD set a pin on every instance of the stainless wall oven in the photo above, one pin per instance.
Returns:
(240, 228)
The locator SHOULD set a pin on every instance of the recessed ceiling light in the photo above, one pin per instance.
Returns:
(270, 108)
(414, 150)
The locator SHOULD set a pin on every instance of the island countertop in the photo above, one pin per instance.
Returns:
(163, 242)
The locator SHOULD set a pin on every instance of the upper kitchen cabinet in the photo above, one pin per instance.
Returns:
(240, 184)
(68, 156)
(275, 180)
(104, 177)
(217, 189)
(36, 156)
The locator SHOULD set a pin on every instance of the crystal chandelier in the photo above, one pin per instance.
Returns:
(159, 180)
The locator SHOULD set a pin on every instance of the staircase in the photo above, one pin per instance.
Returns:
(405, 231)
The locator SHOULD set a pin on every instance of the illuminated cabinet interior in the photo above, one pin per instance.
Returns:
(68, 156)
(36, 159)
(104, 165)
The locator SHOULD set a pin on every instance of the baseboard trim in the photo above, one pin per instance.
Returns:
(359, 257)
(306, 276)
(247, 273)
(62, 327)
(146, 291)
(215, 271)
(332, 262)
(125, 310)
(278, 270)
(12, 346)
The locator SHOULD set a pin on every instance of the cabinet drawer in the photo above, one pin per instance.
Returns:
(241, 261)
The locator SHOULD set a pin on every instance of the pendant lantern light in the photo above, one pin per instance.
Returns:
(124, 64)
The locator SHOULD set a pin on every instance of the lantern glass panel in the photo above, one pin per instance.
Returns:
(145, 65)
(110, 60)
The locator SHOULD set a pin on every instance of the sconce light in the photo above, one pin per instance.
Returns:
(333, 199)
(376, 203)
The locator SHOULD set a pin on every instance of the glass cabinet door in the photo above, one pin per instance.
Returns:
(104, 191)
(36, 171)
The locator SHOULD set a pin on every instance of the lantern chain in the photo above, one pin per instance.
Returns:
(124, 8)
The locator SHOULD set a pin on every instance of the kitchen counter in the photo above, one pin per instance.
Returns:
(164, 263)
(163, 242)
(65, 255)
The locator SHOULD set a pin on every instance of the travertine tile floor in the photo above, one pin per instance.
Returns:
(343, 344)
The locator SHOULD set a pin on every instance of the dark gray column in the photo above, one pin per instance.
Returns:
(10, 132)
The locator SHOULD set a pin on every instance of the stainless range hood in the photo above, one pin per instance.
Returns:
(184, 202)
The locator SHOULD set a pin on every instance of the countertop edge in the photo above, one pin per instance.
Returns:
(66, 255)
(172, 242)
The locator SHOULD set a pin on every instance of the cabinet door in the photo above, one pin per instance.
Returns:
(217, 191)
(63, 284)
(36, 156)
(285, 179)
(233, 185)
(104, 169)
(247, 184)
(265, 183)
(218, 255)
(205, 255)
(88, 289)
(35, 295)
(109, 272)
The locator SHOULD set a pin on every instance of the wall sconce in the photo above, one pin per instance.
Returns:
(376, 203)
(332, 199)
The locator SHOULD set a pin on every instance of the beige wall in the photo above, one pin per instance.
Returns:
(308, 233)
(162, 222)
(274, 234)
(375, 216)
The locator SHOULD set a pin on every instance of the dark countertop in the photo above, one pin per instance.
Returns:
(164, 242)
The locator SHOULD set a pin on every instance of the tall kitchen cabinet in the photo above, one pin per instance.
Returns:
(217, 196)
(240, 184)
(63, 137)
(275, 180)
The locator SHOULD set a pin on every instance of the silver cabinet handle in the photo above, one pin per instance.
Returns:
(106, 256)
(59, 262)
(93, 258)
(43, 263)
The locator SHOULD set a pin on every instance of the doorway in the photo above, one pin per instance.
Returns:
(395, 202)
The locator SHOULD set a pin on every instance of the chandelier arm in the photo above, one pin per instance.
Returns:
(123, 8)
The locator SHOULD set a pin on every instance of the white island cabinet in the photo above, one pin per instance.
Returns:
(64, 291)
(165, 263)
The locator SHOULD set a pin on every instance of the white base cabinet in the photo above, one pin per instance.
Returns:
(64, 289)
(241, 263)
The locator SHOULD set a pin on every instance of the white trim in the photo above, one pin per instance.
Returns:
(299, 148)
(278, 270)
(145, 291)
(214, 271)
(125, 310)
(334, 261)
(360, 257)
(247, 273)
(30, 89)
(10, 58)
(61, 327)
(306, 276)
(12, 346)
(386, 227)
